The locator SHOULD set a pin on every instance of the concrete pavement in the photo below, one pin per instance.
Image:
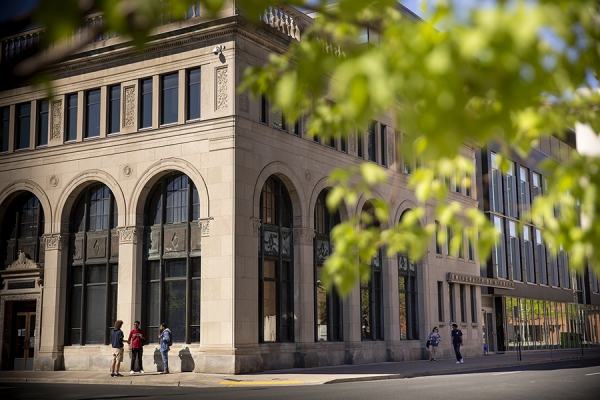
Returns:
(301, 376)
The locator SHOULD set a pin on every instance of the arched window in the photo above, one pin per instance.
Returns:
(328, 306)
(276, 278)
(171, 271)
(22, 227)
(407, 297)
(371, 292)
(92, 267)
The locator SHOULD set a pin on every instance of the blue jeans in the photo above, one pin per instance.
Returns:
(136, 353)
(457, 351)
(165, 357)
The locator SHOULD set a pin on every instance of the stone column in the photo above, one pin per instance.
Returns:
(129, 297)
(52, 332)
(304, 303)
(391, 317)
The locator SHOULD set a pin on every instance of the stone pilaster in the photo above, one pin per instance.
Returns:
(304, 273)
(129, 295)
(52, 331)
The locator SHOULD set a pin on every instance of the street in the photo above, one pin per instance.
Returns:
(578, 379)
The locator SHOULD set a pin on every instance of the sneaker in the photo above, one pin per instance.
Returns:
(141, 371)
(131, 372)
(461, 361)
(458, 362)
(434, 359)
(112, 374)
(118, 374)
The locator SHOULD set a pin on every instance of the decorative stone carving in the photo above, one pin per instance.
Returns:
(390, 148)
(255, 226)
(54, 181)
(129, 106)
(23, 262)
(56, 119)
(304, 236)
(221, 89)
(351, 142)
(129, 234)
(204, 224)
(307, 175)
(304, 124)
(127, 170)
(54, 241)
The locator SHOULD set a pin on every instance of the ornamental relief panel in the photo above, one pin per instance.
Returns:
(56, 131)
(54, 241)
(390, 148)
(304, 236)
(221, 88)
(129, 234)
(129, 106)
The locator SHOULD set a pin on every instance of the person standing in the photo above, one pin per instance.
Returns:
(457, 342)
(434, 340)
(116, 340)
(136, 341)
(164, 338)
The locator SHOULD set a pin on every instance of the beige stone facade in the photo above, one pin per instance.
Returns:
(228, 154)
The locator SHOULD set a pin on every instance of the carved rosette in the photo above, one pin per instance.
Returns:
(221, 89)
(304, 236)
(56, 119)
(255, 226)
(130, 234)
(204, 224)
(129, 106)
(55, 241)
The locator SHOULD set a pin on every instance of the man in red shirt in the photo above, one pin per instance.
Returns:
(136, 341)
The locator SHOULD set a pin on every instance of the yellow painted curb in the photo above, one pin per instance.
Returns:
(232, 383)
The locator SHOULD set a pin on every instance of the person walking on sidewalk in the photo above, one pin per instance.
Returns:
(116, 340)
(434, 340)
(457, 342)
(136, 341)
(164, 339)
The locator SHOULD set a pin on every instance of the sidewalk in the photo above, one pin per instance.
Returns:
(302, 376)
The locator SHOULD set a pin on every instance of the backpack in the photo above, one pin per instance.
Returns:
(170, 341)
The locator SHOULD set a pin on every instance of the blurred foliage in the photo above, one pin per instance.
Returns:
(507, 72)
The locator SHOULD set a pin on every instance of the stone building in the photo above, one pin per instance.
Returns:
(147, 188)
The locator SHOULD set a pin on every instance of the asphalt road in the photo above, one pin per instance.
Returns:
(563, 380)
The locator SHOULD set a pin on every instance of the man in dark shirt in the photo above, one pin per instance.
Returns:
(116, 340)
(457, 342)
(136, 341)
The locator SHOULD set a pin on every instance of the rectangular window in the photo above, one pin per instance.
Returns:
(594, 280)
(552, 266)
(537, 185)
(563, 261)
(540, 258)
(42, 123)
(193, 94)
(495, 185)
(463, 304)
(408, 165)
(23, 126)
(439, 249)
(448, 244)
(528, 254)
(470, 249)
(359, 143)
(146, 104)
(473, 304)
(71, 127)
(524, 190)
(296, 128)
(511, 209)
(513, 251)
(170, 88)
(468, 182)
(331, 142)
(344, 145)
(498, 260)
(440, 293)
(92, 113)
(371, 143)
(451, 302)
(4, 128)
(279, 119)
(455, 184)
(461, 248)
(383, 145)
(114, 109)
(262, 108)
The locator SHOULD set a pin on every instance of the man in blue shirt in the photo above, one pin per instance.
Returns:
(164, 338)
(457, 342)
(116, 340)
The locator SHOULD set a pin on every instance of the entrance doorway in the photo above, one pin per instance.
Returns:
(488, 330)
(25, 340)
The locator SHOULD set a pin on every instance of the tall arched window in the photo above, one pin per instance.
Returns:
(22, 227)
(407, 297)
(276, 278)
(92, 267)
(171, 272)
(371, 291)
(328, 306)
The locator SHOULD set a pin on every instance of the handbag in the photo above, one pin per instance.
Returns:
(428, 343)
